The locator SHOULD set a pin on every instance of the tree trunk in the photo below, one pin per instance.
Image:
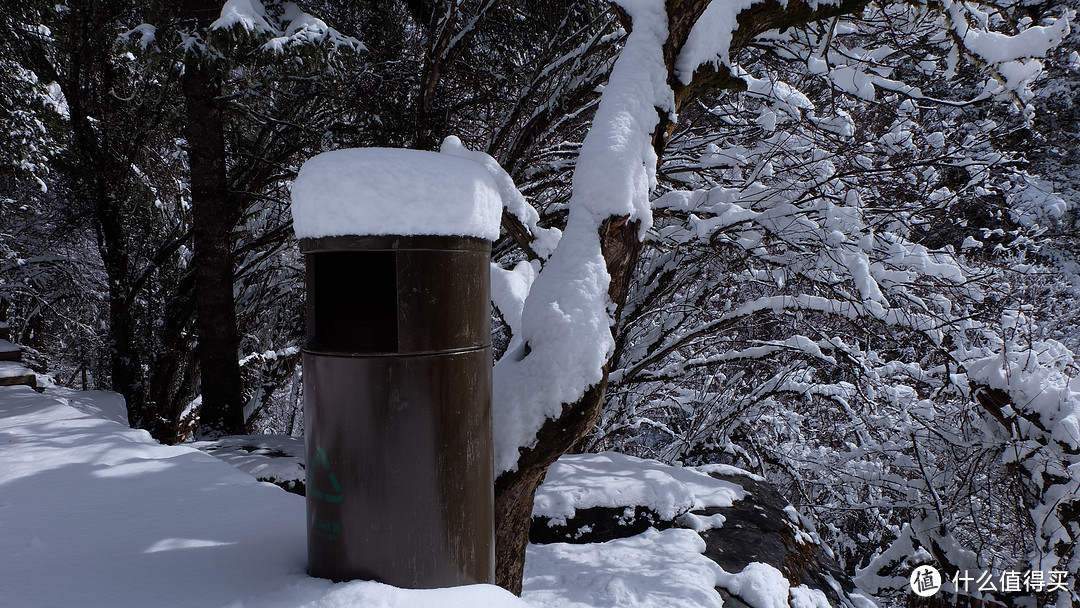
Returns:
(103, 179)
(213, 216)
(172, 380)
(515, 490)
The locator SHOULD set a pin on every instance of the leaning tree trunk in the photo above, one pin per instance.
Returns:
(213, 216)
(515, 490)
(621, 245)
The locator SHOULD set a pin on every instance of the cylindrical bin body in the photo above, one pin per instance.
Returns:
(397, 410)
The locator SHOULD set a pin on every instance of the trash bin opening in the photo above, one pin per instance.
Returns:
(352, 301)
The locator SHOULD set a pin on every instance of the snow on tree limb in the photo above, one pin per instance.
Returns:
(710, 38)
(543, 240)
(566, 320)
(287, 25)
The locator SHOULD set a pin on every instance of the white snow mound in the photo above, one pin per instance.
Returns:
(610, 479)
(389, 191)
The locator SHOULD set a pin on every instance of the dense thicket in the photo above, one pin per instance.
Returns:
(851, 268)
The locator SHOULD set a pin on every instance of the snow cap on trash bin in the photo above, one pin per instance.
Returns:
(393, 191)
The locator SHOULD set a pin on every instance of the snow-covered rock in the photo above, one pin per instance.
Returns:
(13, 373)
(600, 497)
(275, 459)
(9, 351)
(714, 528)
(12, 370)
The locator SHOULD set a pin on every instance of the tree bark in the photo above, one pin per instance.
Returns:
(214, 214)
(173, 378)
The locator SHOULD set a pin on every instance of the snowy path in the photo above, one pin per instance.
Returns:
(96, 515)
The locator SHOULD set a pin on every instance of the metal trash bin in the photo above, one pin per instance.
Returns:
(397, 395)
(397, 365)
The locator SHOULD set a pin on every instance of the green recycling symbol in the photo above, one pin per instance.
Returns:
(324, 462)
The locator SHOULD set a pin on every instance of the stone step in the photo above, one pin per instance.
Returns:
(9, 351)
(13, 374)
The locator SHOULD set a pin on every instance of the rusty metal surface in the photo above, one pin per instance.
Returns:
(397, 400)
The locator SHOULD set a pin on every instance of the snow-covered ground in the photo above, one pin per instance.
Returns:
(94, 514)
